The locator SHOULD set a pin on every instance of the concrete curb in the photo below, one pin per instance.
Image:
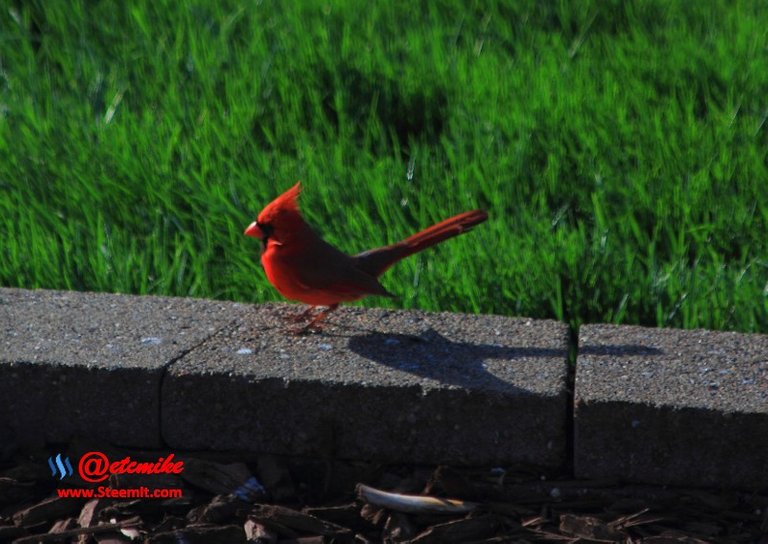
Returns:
(377, 384)
(669, 406)
(91, 364)
(651, 406)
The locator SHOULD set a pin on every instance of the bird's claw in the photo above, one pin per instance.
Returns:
(301, 316)
(305, 330)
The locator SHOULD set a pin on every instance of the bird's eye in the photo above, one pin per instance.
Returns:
(265, 228)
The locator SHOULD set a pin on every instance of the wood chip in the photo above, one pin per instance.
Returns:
(64, 535)
(50, 509)
(399, 528)
(463, 530)
(414, 504)
(256, 532)
(201, 534)
(296, 521)
(590, 528)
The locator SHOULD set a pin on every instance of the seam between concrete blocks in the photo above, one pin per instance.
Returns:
(570, 392)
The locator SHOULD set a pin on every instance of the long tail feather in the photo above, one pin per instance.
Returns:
(449, 228)
(377, 261)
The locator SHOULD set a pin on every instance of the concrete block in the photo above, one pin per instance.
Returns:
(376, 384)
(665, 406)
(91, 364)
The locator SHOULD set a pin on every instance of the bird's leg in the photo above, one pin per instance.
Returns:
(303, 316)
(319, 317)
(313, 325)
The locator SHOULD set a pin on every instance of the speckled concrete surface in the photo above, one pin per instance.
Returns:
(376, 384)
(89, 364)
(672, 407)
(651, 405)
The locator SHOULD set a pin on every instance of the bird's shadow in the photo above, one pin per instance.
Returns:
(618, 350)
(433, 356)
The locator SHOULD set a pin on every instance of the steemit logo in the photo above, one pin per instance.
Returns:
(60, 466)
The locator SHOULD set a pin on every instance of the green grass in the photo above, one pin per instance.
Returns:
(619, 147)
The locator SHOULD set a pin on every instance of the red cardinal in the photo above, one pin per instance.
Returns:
(303, 267)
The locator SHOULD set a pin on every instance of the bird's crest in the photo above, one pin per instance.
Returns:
(285, 203)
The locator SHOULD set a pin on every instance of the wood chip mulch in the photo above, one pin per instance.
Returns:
(279, 500)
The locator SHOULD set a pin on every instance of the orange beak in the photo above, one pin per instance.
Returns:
(254, 231)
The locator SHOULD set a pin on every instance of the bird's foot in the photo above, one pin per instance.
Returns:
(304, 330)
(313, 326)
(300, 317)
